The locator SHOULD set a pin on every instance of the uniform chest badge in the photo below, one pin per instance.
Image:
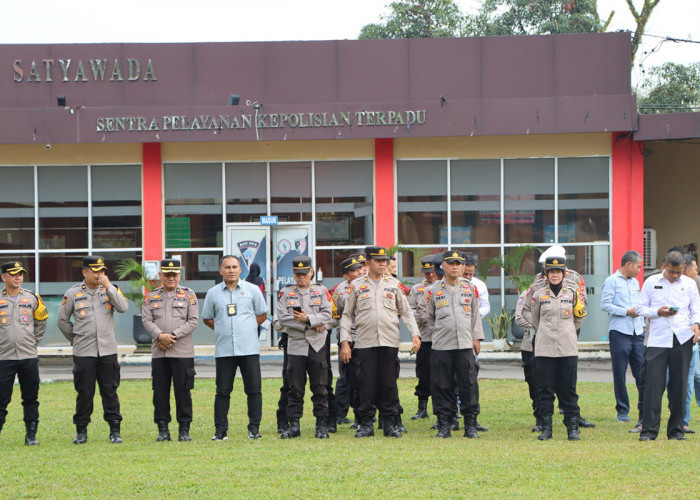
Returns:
(444, 302)
(364, 295)
(3, 313)
(440, 293)
(156, 297)
(3, 301)
(567, 313)
(421, 289)
(315, 293)
(24, 301)
(81, 304)
(317, 301)
(466, 308)
(79, 294)
(181, 295)
(292, 302)
(363, 287)
(544, 297)
(108, 306)
(82, 313)
(4, 321)
(156, 305)
(389, 295)
(292, 294)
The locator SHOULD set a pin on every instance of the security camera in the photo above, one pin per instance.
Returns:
(257, 105)
(48, 146)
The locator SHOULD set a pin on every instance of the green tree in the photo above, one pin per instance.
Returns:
(419, 19)
(670, 88)
(538, 17)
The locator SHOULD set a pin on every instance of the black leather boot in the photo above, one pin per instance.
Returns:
(470, 428)
(389, 426)
(399, 424)
(163, 432)
(184, 432)
(331, 425)
(546, 429)
(582, 422)
(254, 432)
(282, 425)
(321, 428)
(538, 425)
(115, 436)
(480, 427)
(293, 431)
(81, 434)
(366, 428)
(572, 428)
(30, 437)
(444, 424)
(422, 409)
(219, 434)
(454, 422)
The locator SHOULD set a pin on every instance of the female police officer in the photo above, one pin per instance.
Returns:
(557, 314)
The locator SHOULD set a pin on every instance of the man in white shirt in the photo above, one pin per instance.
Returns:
(671, 301)
(468, 271)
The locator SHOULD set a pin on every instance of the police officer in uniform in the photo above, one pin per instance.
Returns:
(557, 313)
(527, 357)
(376, 302)
(170, 314)
(346, 387)
(415, 296)
(453, 315)
(304, 311)
(22, 325)
(91, 333)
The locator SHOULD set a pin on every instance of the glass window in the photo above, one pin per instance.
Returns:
(583, 199)
(344, 206)
(246, 191)
(63, 207)
(116, 206)
(476, 201)
(410, 261)
(28, 262)
(290, 191)
(17, 209)
(193, 212)
(529, 200)
(422, 201)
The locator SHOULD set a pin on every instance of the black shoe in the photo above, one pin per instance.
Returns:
(30, 437)
(444, 424)
(163, 432)
(342, 420)
(582, 422)
(546, 429)
(184, 432)
(677, 435)
(366, 428)
(355, 425)
(646, 436)
(321, 428)
(538, 425)
(293, 431)
(399, 424)
(572, 429)
(254, 432)
(455, 423)
(436, 425)
(115, 436)
(219, 434)
(81, 434)
(422, 410)
(480, 427)
(331, 425)
(687, 430)
(389, 426)
(282, 425)
(470, 428)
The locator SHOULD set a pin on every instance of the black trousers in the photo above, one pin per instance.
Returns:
(452, 368)
(225, 374)
(284, 390)
(346, 387)
(180, 372)
(557, 376)
(530, 372)
(377, 369)
(677, 360)
(423, 370)
(27, 372)
(316, 365)
(332, 412)
(106, 372)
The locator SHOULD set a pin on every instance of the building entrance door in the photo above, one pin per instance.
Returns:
(272, 248)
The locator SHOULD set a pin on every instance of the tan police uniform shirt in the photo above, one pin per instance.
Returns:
(91, 333)
(555, 323)
(376, 309)
(453, 314)
(340, 295)
(315, 302)
(173, 312)
(22, 325)
(416, 299)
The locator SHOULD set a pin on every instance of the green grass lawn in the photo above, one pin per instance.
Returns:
(506, 461)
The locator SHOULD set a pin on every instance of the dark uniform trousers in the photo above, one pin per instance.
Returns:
(376, 370)
(181, 372)
(530, 373)
(423, 370)
(316, 366)
(557, 376)
(658, 359)
(284, 390)
(346, 389)
(27, 371)
(106, 372)
(450, 368)
(332, 411)
(225, 374)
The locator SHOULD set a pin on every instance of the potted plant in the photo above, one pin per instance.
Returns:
(512, 264)
(500, 326)
(140, 285)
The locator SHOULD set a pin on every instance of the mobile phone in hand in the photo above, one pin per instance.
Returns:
(674, 309)
(296, 308)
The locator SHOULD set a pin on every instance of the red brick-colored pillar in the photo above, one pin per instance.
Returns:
(152, 202)
(384, 195)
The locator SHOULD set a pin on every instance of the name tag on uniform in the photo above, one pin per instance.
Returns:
(231, 309)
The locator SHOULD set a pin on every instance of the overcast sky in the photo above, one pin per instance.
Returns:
(91, 21)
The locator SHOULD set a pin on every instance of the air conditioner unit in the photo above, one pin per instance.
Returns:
(650, 254)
